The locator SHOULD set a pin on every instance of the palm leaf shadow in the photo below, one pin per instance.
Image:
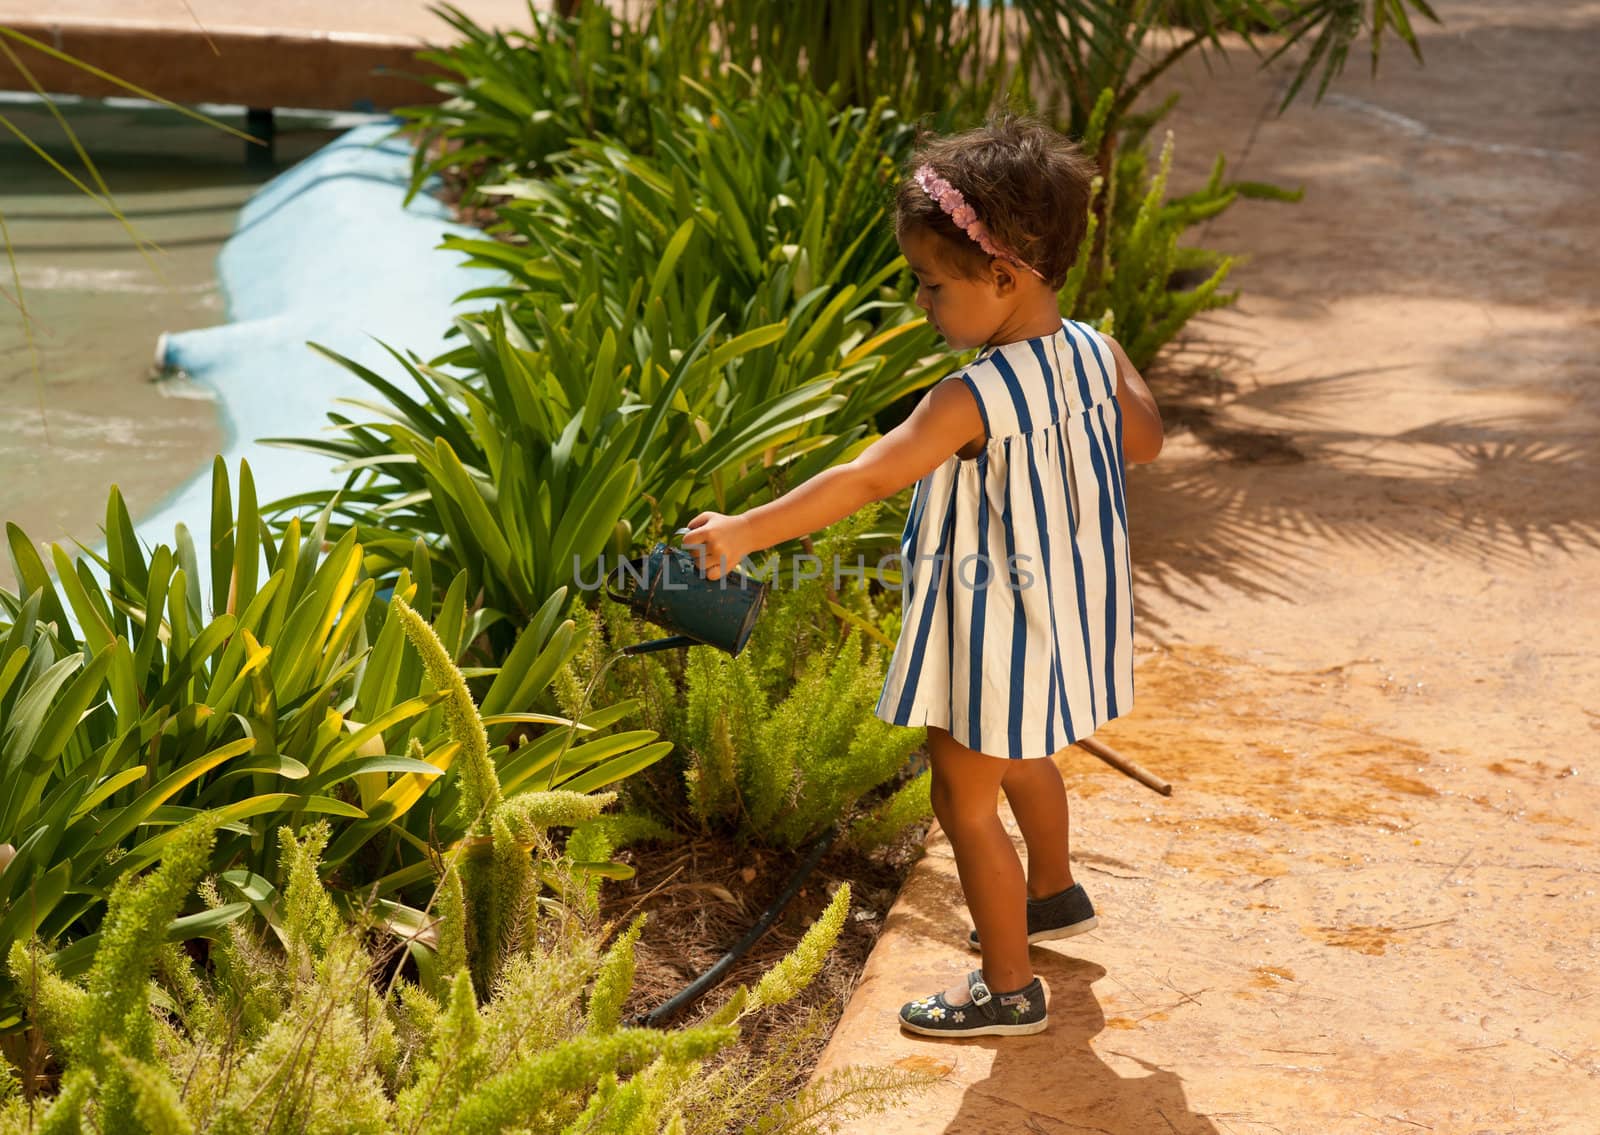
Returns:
(1287, 476)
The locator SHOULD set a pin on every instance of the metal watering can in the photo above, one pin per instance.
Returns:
(667, 588)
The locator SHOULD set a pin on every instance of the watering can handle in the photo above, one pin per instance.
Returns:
(611, 590)
(697, 564)
(673, 642)
(617, 595)
(680, 533)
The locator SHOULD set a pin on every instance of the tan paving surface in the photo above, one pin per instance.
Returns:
(401, 20)
(1367, 568)
(292, 53)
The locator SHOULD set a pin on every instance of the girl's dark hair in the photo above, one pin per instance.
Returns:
(1028, 184)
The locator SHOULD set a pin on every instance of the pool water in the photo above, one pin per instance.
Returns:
(83, 409)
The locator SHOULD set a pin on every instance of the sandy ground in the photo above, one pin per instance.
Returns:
(1367, 564)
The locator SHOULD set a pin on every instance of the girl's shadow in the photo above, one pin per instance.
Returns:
(1056, 1082)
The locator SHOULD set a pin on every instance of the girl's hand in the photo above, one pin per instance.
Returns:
(718, 542)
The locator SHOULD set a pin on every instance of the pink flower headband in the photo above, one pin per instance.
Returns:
(957, 209)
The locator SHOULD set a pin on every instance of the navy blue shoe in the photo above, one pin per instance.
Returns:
(1018, 1013)
(1059, 916)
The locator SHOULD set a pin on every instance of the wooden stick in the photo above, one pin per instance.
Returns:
(1123, 765)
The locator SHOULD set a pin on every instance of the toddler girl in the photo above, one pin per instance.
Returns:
(1017, 633)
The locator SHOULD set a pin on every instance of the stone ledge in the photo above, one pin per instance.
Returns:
(292, 53)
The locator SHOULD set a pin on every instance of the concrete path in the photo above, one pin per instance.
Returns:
(270, 53)
(1367, 569)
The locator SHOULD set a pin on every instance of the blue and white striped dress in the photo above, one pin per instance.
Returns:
(1018, 610)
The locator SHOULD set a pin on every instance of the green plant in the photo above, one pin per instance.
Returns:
(762, 205)
(514, 100)
(519, 479)
(313, 1038)
(780, 743)
(942, 57)
(742, 344)
(524, 477)
(751, 177)
(798, 761)
(746, 1093)
(330, 1050)
(939, 56)
(921, 54)
(127, 708)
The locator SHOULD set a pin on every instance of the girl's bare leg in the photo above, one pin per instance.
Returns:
(1038, 800)
(966, 789)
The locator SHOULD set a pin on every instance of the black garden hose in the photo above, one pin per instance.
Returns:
(706, 981)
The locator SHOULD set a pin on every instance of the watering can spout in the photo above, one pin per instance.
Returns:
(654, 645)
(667, 588)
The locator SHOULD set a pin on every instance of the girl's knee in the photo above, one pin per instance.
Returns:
(955, 809)
(965, 785)
(947, 790)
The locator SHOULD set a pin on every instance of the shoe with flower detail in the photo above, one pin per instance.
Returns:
(1018, 1013)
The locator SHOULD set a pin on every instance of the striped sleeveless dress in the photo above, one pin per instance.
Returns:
(1017, 634)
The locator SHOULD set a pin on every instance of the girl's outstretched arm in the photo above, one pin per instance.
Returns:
(1142, 433)
(945, 421)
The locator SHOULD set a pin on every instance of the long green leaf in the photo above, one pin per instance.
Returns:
(618, 768)
(126, 819)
